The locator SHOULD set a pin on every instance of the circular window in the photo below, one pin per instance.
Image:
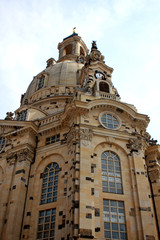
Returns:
(109, 121)
(2, 143)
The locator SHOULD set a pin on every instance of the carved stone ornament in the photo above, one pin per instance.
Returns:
(135, 145)
(9, 116)
(147, 136)
(85, 135)
(24, 155)
(72, 136)
(11, 159)
(96, 56)
(154, 172)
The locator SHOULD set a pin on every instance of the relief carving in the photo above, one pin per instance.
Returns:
(154, 171)
(20, 156)
(85, 135)
(11, 159)
(24, 155)
(134, 145)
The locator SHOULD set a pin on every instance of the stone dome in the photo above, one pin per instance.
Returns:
(64, 73)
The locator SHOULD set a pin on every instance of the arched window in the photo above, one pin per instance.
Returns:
(111, 173)
(103, 87)
(81, 51)
(41, 82)
(67, 50)
(50, 183)
(22, 116)
(2, 143)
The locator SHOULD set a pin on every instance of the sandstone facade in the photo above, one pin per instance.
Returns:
(75, 161)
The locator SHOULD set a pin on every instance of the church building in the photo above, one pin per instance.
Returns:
(75, 161)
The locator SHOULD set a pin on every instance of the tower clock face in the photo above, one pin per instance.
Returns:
(99, 75)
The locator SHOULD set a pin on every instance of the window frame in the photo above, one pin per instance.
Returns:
(40, 78)
(53, 139)
(49, 187)
(111, 169)
(114, 213)
(2, 143)
(42, 214)
(113, 115)
(21, 114)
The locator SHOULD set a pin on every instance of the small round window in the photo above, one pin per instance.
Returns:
(109, 121)
(2, 143)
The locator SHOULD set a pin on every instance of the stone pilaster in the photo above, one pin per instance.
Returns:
(143, 204)
(4, 199)
(18, 189)
(153, 165)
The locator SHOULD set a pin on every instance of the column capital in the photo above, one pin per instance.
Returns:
(11, 159)
(24, 155)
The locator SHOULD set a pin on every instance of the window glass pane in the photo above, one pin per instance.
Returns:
(115, 235)
(123, 235)
(2, 143)
(46, 229)
(121, 204)
(50, 179)
(106, 217)
(114, 221)
(111, 172)
(114, 226)
(53, 139)
(22, 116)
(107, 234)
(107, 226)
(109, 121)
(122, 227)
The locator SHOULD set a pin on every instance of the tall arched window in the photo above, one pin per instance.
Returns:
(50, 183)
(111, 173)
(104, 87)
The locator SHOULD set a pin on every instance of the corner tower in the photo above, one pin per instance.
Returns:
(75, 161)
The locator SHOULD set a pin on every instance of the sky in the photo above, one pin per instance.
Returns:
(127, 34)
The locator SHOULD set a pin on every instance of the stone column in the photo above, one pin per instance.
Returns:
(17, 196)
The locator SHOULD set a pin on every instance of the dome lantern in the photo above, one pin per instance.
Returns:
(71, 48)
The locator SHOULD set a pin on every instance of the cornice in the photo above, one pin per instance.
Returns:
(102, 64)
(21, 128)
(119, 106)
